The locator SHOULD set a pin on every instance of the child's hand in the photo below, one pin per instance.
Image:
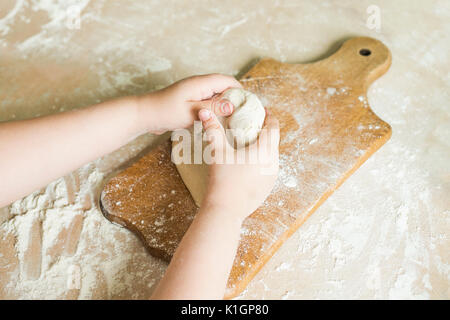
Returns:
(176, 106)
(200, 267)
(241, 188)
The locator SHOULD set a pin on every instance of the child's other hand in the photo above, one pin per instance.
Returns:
(176, 106)
(239, 189)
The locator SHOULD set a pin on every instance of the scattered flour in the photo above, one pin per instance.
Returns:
(383, 234)
(331, 91)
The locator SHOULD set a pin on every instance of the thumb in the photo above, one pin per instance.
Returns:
(216, 104)
(215, 134)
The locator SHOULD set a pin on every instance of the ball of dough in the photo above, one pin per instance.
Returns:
(248, 116)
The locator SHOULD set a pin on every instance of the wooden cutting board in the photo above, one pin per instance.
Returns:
(327, 131)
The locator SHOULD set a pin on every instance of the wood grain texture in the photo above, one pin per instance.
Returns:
(327, 131)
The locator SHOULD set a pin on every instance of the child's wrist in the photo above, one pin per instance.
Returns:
(223, 215)
(146, 113)
(228, 210)
(127, 109)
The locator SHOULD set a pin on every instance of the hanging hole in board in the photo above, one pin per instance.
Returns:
(365, 52)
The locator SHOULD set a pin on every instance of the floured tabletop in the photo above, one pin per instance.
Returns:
(327, 131)
(383, 234)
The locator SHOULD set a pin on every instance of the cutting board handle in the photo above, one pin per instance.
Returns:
(360, 61)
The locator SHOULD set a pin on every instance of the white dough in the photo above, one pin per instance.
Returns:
(248, 117)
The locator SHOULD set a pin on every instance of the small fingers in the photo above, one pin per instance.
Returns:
(208, 120)
(206, 93)
(206, 86)
(268, 145)
(221, 107)
(214, 131)
(271, 129)
(217, 82)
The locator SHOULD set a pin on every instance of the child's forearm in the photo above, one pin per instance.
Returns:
(37, 151)
(202, 263)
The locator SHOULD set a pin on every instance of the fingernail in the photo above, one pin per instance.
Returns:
(204, 115)
(226, 107)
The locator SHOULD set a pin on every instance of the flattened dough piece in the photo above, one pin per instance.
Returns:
(194, 176)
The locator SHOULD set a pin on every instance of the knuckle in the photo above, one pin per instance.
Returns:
(210, 124)
(215, 105)
(213, 76)
(214, 125)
